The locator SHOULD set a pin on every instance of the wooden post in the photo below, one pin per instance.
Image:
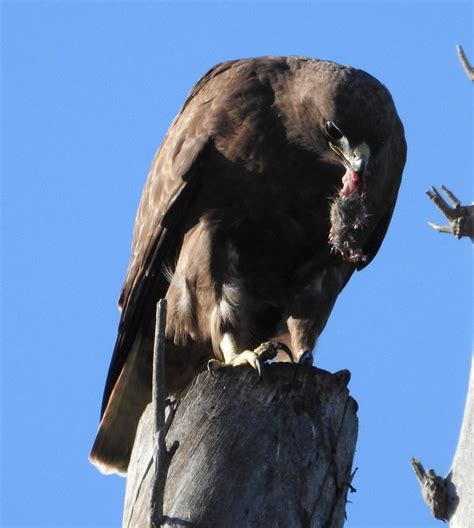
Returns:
(274, 453)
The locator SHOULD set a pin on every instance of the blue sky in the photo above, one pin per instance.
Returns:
(88, 91)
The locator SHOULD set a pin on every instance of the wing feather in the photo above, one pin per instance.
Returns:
(395, 162)
(170, 186)
(164, 201)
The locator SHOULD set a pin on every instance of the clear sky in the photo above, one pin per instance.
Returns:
(88, 91)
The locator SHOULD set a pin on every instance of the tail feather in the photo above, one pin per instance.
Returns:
(131, 394)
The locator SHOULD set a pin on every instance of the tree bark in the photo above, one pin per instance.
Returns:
(274, 453)
(462, 472)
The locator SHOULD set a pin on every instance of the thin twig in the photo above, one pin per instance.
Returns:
(159, 401)
(465, 63)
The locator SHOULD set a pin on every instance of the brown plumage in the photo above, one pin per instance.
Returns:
(276, 180)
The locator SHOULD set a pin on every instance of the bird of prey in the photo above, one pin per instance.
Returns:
(275, 182)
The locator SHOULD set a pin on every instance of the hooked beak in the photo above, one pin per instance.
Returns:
(355, 160)
(358, 164)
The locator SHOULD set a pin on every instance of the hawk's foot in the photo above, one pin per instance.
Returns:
(265, 352)
(247, 357)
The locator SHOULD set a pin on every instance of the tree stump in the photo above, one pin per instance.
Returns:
(271, 453)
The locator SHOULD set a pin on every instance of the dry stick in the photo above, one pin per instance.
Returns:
(465, 62)
(160, 455)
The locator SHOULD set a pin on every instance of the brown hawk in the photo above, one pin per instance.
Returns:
(276, 180)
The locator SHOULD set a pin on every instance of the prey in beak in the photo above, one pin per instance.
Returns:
(348, 213)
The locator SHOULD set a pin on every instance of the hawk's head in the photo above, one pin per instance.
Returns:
(355, 115)
(348, 211)
(353, 157)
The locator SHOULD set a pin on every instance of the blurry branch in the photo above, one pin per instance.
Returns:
(460, 217)
(465, 63)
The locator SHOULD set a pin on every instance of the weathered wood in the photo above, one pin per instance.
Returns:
(462, 472)
(274, 453)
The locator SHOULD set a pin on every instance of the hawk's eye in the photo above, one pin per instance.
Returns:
(332, 131)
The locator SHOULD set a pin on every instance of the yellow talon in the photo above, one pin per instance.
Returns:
(254, 358)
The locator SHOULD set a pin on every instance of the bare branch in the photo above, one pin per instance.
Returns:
(455, 201)
(440, 228)
(460, 217)
(465, 63)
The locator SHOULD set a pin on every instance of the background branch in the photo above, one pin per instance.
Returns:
(465, 62)
(452, 497)
(460, 217)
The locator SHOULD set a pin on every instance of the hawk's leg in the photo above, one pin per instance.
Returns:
(310, 308)
(232, 357)
(304, 333)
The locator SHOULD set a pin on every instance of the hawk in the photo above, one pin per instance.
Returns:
(275, 182)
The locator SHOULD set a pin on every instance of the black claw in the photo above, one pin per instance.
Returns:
(211, 364)
(269, 350)
(258, 366)
(286, 350)
(306, 358)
